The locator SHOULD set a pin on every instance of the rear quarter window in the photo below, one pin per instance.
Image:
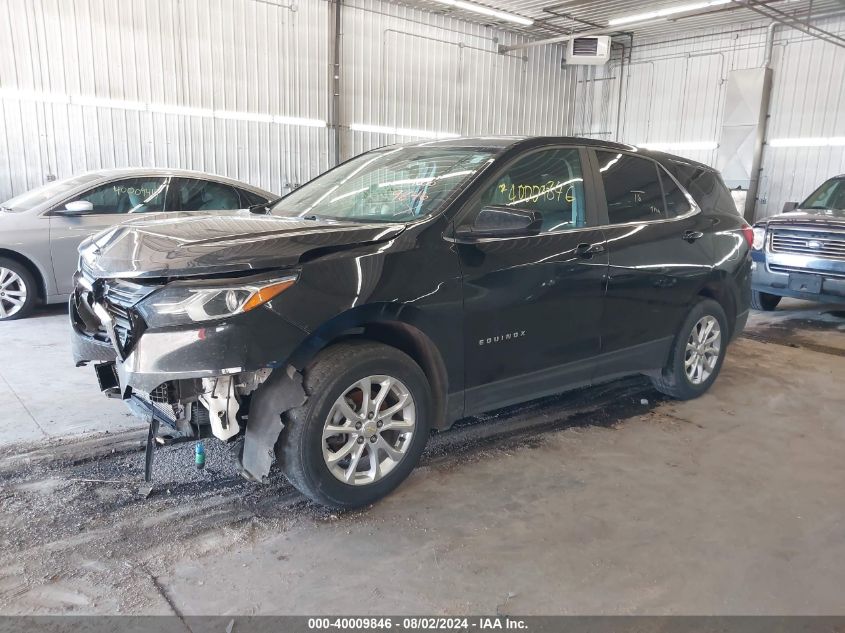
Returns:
(706, 187)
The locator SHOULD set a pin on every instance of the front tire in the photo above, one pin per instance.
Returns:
(363, 428)
(18, 291)
(764, 301)
(697, 353)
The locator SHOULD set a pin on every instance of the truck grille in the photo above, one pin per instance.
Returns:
(779, 268)
(819, 244)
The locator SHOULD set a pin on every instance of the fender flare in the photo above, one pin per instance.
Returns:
(398, 325)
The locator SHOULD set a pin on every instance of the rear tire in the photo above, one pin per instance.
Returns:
(697, 353)
(18, 290)
(321, 439)
(764, 301)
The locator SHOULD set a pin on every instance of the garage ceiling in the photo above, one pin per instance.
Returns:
(560, 17)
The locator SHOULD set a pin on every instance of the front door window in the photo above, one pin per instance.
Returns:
(129, 195)
(550, 182)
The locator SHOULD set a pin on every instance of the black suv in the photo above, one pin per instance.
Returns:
(801, 253)
(409, 287)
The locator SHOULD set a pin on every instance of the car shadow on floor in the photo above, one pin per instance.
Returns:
(49, 310)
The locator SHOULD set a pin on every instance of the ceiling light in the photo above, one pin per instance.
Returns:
(493, 13)
(293, 120)
(162, 108)
(671, 147)
(665, 12)
(400, 131)
(243, 116)
(31, 95)
(98, 102)
(818, 141)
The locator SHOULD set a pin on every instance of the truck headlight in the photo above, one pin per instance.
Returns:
(183, 302)
(759, 238)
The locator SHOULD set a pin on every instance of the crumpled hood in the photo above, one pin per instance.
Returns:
(187, 244)
(809, 217)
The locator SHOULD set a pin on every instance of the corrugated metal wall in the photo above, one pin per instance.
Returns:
(406, 68)
(808, 100)
(400, 68)
(673, 91)
(232, 55)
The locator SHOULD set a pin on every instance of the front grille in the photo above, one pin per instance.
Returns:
(819, 244)
(779, 268)
(118, 297)
(122, 320)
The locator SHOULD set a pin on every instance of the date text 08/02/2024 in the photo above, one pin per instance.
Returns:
(418, 623)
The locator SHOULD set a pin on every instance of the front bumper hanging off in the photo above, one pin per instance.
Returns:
(160, 374)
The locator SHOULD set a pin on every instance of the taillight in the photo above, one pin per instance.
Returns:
(748, 232)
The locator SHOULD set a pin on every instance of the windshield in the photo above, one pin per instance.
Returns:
(390, 185)
(51, 190)
(830, 197)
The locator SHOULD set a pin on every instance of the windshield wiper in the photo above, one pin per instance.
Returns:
(263, 207)
(320, 218)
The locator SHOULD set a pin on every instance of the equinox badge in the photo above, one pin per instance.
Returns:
(501, 338)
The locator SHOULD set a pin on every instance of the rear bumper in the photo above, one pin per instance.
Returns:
(777, 283)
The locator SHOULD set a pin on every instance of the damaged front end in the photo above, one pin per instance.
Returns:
(196, 358)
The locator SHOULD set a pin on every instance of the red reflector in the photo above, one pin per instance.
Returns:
(748, 232)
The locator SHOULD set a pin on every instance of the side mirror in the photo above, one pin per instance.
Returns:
(77, 207)
(789, 206)
(502, 222)
(259, 209)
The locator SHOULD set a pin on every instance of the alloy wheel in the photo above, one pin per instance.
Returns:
(368, 430)
(702, 351)
(13, 293)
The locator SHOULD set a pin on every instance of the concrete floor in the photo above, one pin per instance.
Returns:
(730, 504)
(45, 396)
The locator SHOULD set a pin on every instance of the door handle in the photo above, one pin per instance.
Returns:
(586, 251)
(691, 236)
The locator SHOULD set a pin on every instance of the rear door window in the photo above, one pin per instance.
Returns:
(632, 188)
(191, 194)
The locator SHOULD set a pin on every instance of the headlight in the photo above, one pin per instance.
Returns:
(759, 238)
(186, 302)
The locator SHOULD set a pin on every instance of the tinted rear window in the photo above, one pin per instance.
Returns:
(676, 202)
(706, 187)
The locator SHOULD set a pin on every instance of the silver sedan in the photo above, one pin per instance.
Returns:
(40, 230)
